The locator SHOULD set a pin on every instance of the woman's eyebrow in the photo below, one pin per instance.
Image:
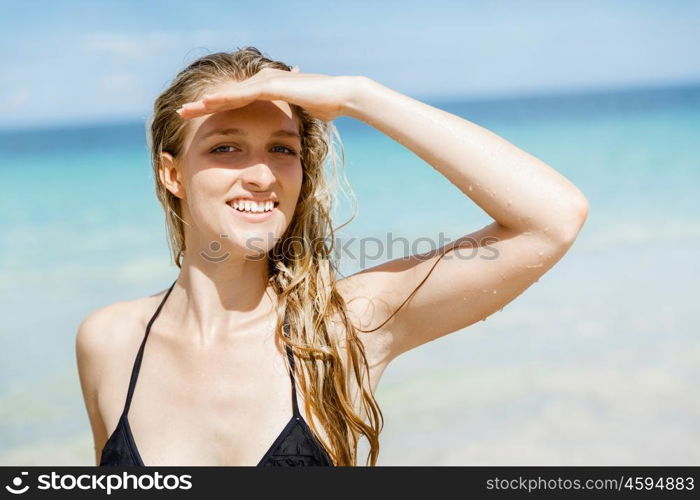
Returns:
(238, 131)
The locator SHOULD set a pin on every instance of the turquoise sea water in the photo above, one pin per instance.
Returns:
(600, 354)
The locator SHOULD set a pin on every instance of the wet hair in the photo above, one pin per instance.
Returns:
(302, 274)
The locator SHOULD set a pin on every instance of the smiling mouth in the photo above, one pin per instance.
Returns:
(252, 208)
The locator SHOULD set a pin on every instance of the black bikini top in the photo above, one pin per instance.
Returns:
(296, 444)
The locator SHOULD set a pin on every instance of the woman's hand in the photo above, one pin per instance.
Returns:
(324, 97)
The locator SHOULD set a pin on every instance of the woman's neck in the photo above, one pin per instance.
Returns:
(214, 300)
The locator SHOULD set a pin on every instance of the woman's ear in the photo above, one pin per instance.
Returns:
(170, 175)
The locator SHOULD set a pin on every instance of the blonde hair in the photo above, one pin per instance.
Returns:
(303, 275)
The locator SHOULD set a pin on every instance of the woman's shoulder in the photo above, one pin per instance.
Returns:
(114, 327)
(105, 344)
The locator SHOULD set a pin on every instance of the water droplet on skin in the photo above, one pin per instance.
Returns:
(540, 254)
(509, 203)
(495, 292)
(470, 187)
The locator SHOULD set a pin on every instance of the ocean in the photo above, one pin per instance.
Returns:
(598, 363)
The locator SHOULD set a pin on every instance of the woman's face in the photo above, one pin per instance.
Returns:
(245, 154)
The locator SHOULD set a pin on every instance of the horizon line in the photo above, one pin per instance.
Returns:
(432, 99)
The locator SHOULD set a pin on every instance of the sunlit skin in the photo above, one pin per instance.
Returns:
(211, 353)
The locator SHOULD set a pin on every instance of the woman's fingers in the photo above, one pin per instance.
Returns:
(264, 85)
(211, 103)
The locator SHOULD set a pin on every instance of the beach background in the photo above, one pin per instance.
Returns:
(598, 363)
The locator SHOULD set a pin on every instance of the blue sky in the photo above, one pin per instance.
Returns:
(82, 61)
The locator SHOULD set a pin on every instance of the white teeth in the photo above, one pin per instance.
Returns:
(251, 206)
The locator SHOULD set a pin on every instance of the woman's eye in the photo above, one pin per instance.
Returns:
(289, 151)
(216, 150)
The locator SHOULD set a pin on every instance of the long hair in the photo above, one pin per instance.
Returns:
(303, 273)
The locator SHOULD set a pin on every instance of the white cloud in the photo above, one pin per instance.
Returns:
(16, 99)
(140, 47)
(119, 82)
(133, 47)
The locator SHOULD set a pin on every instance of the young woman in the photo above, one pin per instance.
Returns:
(257, 354)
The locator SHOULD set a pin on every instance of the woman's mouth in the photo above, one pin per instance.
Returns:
(252, 211)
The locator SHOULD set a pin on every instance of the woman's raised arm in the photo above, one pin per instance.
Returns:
(537, 215)
(537, 212)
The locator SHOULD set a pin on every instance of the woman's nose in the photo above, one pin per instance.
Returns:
(259, 175)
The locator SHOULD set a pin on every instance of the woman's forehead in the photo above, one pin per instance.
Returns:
(256, 117)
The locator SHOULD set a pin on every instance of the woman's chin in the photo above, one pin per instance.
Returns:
(248, 243)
